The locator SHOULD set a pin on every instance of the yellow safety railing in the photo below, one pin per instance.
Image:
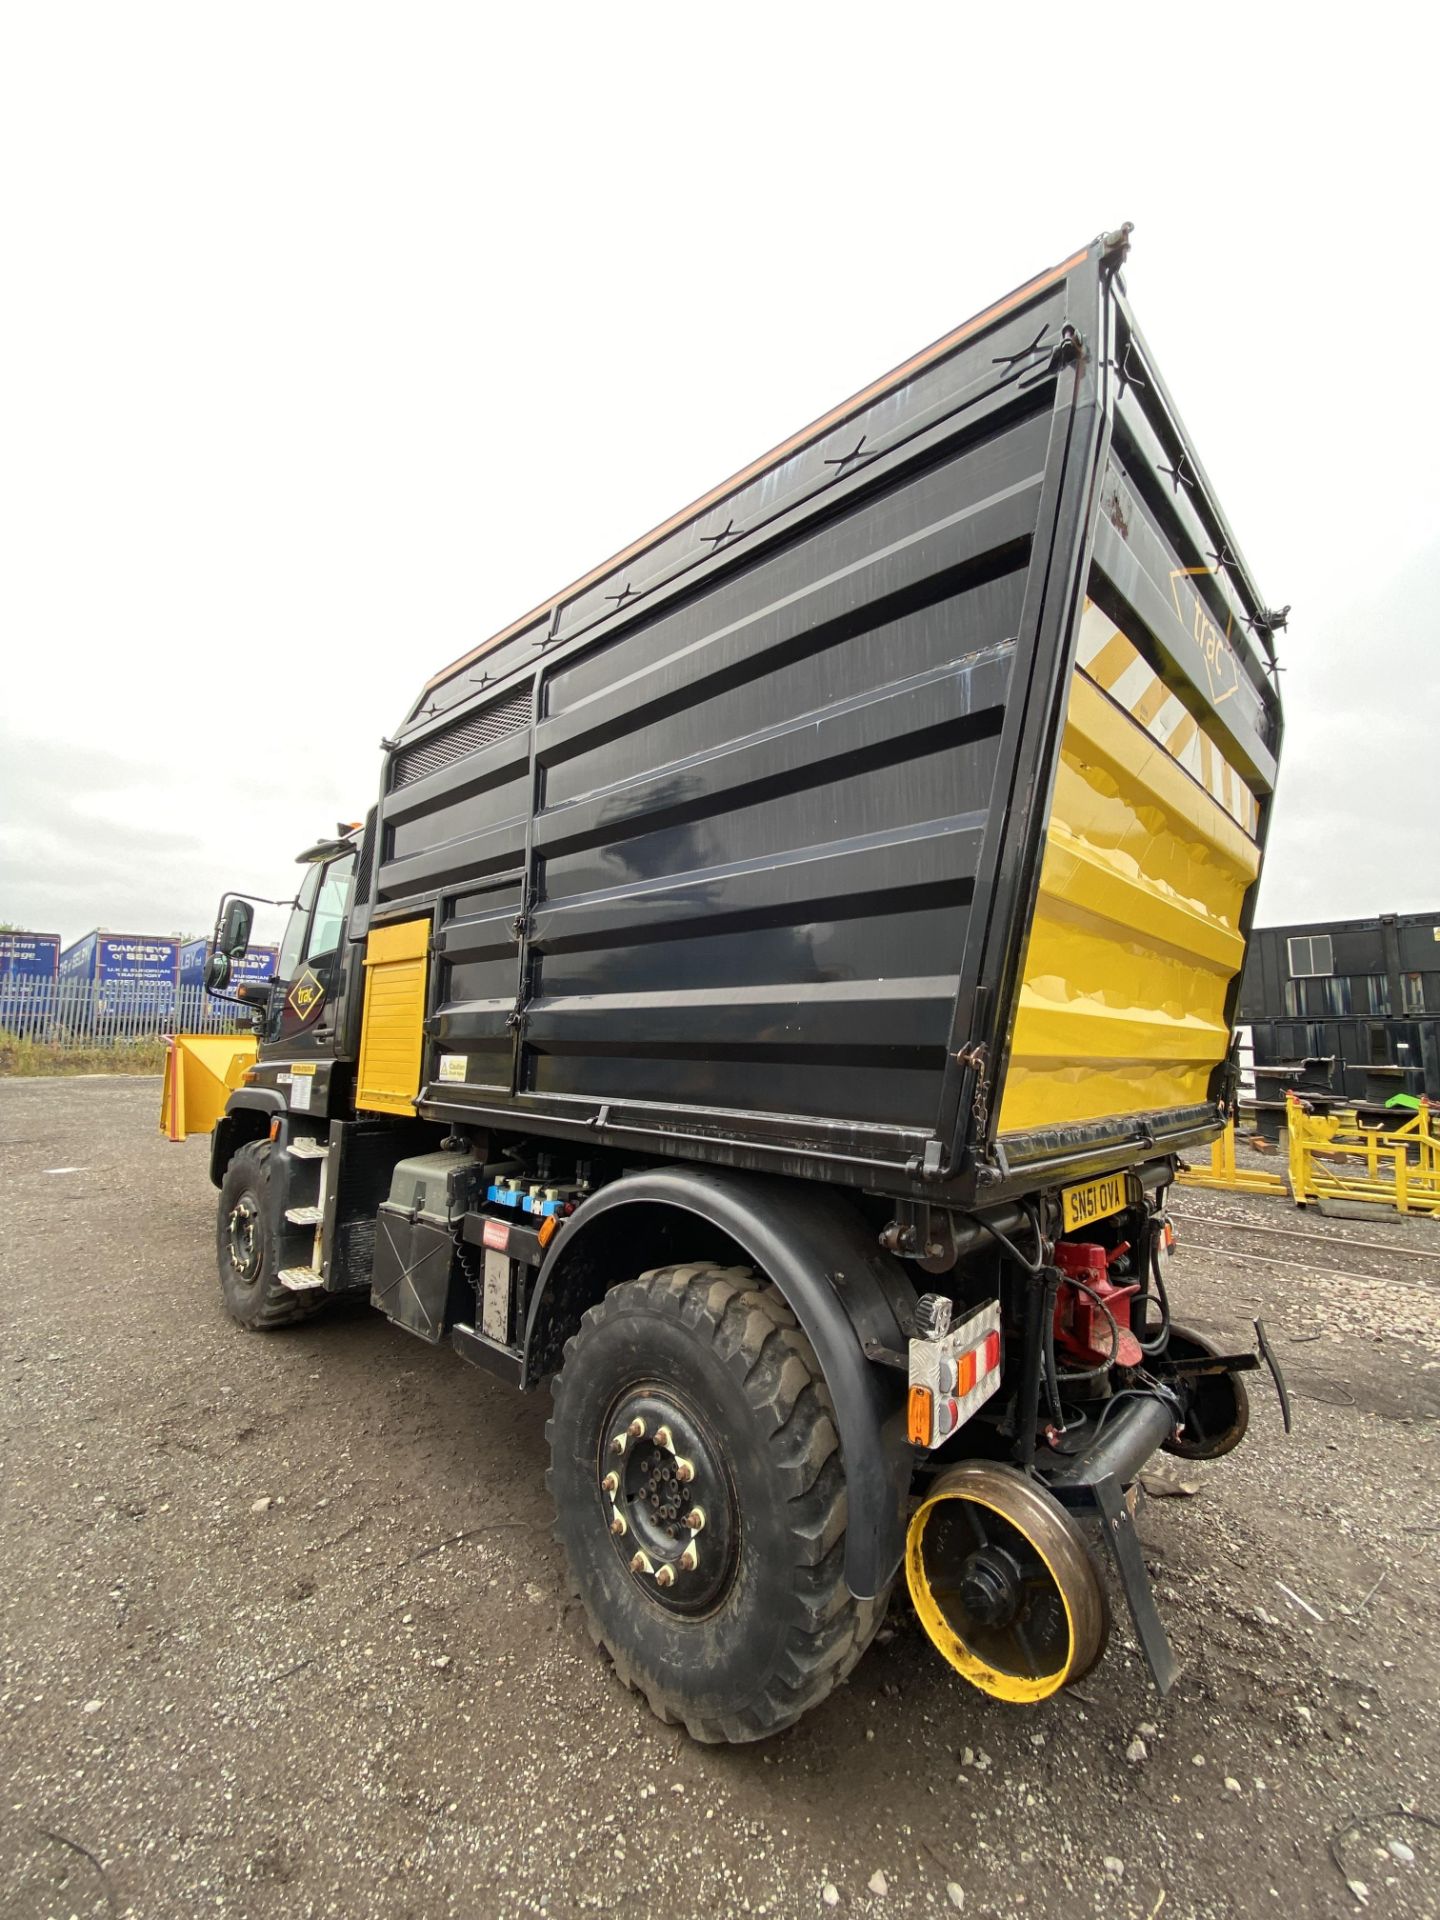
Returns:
(1224, 1174)
(1333, 1157)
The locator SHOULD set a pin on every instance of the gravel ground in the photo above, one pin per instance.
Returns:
(283, 1631)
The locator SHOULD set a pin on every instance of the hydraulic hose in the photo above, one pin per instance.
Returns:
(1158, 1341)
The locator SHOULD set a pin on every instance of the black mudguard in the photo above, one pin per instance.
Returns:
(845, 1292)
(239, 1123)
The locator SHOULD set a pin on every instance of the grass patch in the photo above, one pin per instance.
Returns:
(22, 1056)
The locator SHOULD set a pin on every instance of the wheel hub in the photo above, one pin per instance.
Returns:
(244, 1235)
(668, 1501)
(990, 1587)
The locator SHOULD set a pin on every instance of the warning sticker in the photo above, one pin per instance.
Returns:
(301, 1088)
(452, 1066)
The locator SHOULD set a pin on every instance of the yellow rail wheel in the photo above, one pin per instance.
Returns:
(1004, 1583)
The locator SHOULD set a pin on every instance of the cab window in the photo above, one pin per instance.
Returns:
(332, 904)
(292, 947)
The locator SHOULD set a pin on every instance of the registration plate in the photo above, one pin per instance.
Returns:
(1093, 1200)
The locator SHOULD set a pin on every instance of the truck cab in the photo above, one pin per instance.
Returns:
(303, 1014)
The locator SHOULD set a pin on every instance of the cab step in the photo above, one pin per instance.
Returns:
(301, 1279)
(307, 1148)
(304, 1216)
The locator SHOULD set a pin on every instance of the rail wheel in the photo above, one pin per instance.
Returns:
(1217, 1409)
(1004, 1583)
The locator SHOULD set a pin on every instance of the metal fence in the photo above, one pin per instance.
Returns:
(71, 1014)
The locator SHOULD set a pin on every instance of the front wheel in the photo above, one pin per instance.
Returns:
(700, 1499)
(245, 1249)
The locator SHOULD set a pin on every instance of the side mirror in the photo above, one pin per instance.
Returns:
(217, 972)
(235, 925)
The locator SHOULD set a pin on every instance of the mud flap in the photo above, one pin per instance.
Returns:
(1106, 1499)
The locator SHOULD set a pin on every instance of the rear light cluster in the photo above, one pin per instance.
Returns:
(951, 1378)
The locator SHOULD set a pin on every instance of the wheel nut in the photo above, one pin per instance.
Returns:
(684, 1471)
(690, 1558)
(665, 1576)
(619, 1443)
(636, 1429)
(641, 1564)
(617, 1525)
(663, 1438)
(611, 1483)
(695, 1519)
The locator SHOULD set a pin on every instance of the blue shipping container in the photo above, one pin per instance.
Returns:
(258, 963)
(125, 972)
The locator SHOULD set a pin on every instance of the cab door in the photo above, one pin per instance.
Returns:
(313, 968)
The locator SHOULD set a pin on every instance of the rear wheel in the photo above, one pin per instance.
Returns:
(700, 1499)
(245, 1248)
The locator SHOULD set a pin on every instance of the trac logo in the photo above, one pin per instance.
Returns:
(1222, 669)
(305, 995)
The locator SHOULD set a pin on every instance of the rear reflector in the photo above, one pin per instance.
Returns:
(952, 1377)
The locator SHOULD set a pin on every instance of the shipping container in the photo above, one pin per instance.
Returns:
(1385, 968)
(1361, 997)
(125, 973)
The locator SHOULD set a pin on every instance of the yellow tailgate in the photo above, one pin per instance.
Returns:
(1136, 935)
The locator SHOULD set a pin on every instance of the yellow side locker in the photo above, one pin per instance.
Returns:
(392, 1027)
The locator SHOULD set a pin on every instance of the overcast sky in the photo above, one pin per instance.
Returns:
(333, 338)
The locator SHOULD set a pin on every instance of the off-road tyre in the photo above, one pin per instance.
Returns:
(724, 1349)
(250, 1286)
